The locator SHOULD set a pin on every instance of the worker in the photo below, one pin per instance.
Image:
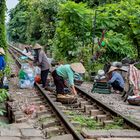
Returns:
(41, 60)
(2, 60)
(2, 66)
(66, 72)
(116, 81)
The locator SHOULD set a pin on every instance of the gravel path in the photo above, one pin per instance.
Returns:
(116, 102)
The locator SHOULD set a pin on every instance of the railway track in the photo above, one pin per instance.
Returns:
(88, 113)
(51, 120)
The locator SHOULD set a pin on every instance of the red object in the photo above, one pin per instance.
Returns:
(37, 79)
(30, 109)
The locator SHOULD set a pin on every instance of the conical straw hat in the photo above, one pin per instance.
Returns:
(37, 46)
(112, 68)
(78, 67)
(2, 51)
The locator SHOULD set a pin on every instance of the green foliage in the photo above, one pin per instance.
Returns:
(7, 71)
(93, 3)
(42, 22)
(18, 22)
(90, 123)
(3, 95)
(117, 124)
(2, 24)
(118, 46)
(2, 111)
(137, 66)
(34, 21)
(117, 19)
(66, 28)
(87, 122)
(73, 29)
(1, 74)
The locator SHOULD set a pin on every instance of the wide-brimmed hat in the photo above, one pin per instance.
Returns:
(37, 46)
(112, 68)
(2, 51)
(78, 67)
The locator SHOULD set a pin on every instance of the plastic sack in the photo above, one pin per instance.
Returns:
(133, 100)
(117, 64)
(37, 70)
(22, 74)
(5, 83)
(23, 57)
(26, 76)
(37, 79)
(101, 72)
(29, 73)
(26, 84)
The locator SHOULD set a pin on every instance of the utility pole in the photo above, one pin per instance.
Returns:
(94, 28)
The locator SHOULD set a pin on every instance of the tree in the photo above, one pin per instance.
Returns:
(73, 32)
(18, 22)
(2, 24)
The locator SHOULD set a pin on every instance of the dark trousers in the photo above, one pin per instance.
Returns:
(44, 75)
(116, 86)
(59, 82)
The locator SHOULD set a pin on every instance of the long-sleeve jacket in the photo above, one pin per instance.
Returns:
(43, 61)
(66, 72)
(117, 77)
(2, 62)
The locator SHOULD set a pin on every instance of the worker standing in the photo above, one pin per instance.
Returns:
(2, 66)
(41, 60)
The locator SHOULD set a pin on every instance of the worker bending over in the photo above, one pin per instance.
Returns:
(66, 72)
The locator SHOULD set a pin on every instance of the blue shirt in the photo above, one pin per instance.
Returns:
(66, 72)
(117, 77)
(2, 62)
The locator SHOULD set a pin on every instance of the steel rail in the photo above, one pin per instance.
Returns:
(18, 50)
(106, 107)
(63, 118)
(109, 109)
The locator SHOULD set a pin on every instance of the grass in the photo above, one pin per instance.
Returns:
(88, 122)
(10, 59)
(42, 120)
(91, 123)
(118, 124)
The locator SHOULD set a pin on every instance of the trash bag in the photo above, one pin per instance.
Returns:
(101, 72)
(22, 74)
(133, 100)
(37, 70)
(23, 57)
(117, 64)
(26, 84)
(26, 76)
(5, 83)
(38, 79)
(100, 75)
